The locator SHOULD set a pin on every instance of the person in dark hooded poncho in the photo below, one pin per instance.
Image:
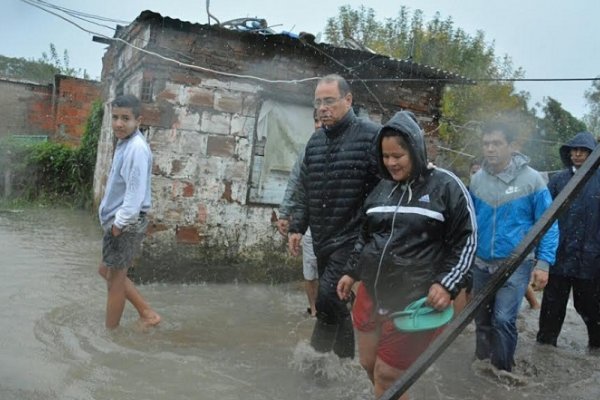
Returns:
(578, 255)
(418, 239)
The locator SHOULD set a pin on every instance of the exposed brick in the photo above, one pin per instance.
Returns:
(202, 214)
(231, 103)
(220, 146)
(153, 228)
(176, 166)
(200, 97)
(190, 79)
(188, 189)
(160, 114)
(166, 95)
(73, 104)
(204, 147)
(187, 235)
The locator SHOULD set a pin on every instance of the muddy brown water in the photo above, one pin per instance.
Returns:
(216, 341)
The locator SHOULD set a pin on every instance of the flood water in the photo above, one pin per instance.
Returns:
(215, 341)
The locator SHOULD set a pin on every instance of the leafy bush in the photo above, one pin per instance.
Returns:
(53, 172)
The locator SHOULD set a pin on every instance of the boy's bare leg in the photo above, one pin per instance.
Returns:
(312, 289)
(148, 317)
(115, 303)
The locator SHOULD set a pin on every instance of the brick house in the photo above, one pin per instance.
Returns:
(226, 112)
(56, 112)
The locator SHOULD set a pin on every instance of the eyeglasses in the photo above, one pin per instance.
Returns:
(326, 102)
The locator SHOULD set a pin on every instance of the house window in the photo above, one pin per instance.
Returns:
(281, 133)
(147, 89)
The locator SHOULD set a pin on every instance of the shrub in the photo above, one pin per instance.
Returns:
(53, 172)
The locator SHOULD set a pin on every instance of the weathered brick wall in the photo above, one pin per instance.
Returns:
(25, 109)
(73, 103)
(59, 111)
(200, 126)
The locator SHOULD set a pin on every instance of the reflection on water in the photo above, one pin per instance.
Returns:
(226, 341)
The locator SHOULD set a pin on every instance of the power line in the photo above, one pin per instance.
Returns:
(37, 4)
(47, 7)
(77, 14)
(477, 79)
(168, 59)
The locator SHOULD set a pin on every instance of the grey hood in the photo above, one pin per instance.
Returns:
(404, 124)
(517, 162)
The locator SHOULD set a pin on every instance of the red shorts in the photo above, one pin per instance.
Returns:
(397, 349)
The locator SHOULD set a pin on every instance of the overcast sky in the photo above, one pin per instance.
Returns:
(547, 38)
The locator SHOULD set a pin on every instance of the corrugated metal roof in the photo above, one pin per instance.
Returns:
(356, 59)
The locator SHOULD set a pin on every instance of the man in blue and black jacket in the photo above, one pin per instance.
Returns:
(509, 197)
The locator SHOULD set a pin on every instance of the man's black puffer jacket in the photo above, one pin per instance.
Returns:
(338, 172)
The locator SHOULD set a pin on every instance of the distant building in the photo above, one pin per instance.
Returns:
(224, 143)
(56, 112)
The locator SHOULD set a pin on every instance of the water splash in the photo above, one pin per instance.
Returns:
(323, 365)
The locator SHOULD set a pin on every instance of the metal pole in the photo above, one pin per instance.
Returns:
(437, 347)
(7, 183)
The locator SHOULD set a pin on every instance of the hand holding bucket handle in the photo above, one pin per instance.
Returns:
(418, 316)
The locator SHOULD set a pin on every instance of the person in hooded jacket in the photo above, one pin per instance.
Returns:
(578, 257)
(509, 197)
(418, 239)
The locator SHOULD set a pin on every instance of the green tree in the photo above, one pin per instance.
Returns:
(41, 70)
(20, 68)
(552, 131)
(592, 118)
(439, 43)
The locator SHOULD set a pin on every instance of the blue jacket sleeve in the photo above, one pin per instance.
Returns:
(546, 249)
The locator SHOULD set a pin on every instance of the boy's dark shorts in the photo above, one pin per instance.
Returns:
(118, 252)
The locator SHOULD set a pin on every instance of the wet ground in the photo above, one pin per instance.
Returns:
(216, 341)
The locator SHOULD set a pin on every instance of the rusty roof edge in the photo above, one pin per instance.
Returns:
(436, 73)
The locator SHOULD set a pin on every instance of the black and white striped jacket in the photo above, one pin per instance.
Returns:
(416, 232)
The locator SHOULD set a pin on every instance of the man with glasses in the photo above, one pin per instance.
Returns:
(338, 172)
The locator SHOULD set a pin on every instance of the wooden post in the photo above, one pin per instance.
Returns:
(437, 347)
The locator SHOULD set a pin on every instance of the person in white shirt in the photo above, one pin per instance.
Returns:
(123, 210)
